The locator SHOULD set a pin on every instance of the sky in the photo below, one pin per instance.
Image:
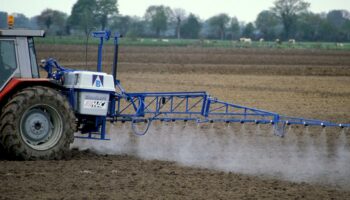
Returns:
(245, 10)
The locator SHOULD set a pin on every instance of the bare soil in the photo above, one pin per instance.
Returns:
(306, 83)
(90, 176)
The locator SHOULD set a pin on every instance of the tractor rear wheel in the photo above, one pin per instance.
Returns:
(37, 123)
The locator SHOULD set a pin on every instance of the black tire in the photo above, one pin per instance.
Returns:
(37, 123)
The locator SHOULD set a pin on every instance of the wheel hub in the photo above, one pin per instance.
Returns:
(36, 126)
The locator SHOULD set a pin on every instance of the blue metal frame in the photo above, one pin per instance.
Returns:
(201, 108)
(103, 35)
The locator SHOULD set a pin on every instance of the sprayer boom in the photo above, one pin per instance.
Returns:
(201, 108)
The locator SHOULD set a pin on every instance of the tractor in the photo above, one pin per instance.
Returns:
(37, 121)
(40, 117)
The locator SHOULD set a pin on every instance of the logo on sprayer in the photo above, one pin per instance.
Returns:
(97, 81)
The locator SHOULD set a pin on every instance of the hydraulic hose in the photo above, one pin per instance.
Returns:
(134, 128)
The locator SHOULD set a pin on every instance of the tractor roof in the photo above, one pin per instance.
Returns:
(22, 32)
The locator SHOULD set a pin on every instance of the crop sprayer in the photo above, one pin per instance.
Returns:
(146, 107)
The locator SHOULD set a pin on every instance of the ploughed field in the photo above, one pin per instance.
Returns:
(305, 83)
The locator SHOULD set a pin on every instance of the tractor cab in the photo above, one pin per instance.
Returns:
(17, 54)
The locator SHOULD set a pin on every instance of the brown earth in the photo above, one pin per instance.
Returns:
(88, 176)
(308, 83)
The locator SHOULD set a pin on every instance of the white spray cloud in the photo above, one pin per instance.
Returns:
(306, 156)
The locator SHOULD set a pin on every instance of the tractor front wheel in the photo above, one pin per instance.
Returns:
(37, 123)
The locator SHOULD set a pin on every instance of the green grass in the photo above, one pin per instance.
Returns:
(75, 40)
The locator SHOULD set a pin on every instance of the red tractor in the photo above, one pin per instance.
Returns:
(36, 120)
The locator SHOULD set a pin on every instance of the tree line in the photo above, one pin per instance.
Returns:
(287, 19)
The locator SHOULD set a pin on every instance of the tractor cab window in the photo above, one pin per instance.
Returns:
(32, 54)
(8, 62)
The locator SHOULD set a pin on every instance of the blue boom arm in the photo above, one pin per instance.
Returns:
(201, 108)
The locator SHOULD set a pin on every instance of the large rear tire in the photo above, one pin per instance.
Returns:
(37, 123)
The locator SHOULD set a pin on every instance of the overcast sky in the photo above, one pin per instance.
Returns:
(246, 10)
